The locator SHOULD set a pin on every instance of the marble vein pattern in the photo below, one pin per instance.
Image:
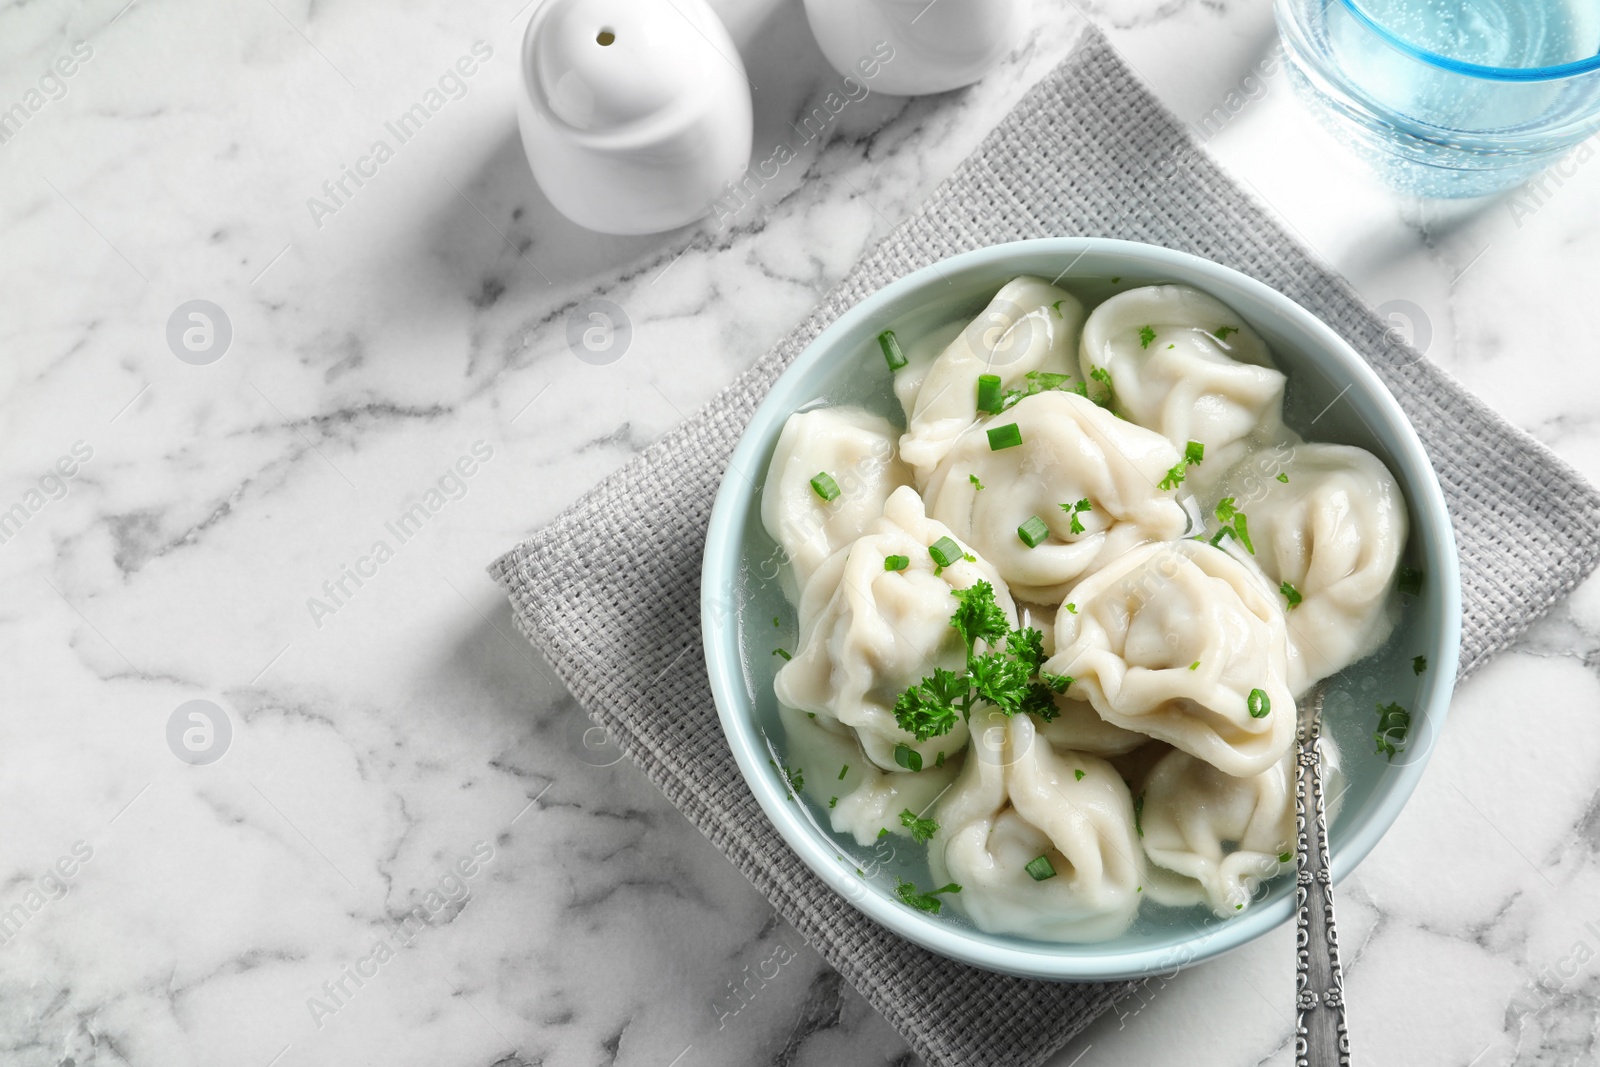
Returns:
(412, 848)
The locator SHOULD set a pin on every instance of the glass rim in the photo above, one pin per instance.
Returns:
(1473, 70)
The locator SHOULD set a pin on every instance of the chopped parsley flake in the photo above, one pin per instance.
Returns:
(921, 829)
(1233, 525)
(1042, 381)
(1115, 278)
(1194, 454)
(929, 901)
(1077, 775)
(977, 485)
(1419, 664)
(1040, 868)
(1146, 335)
(1072, 609)
(1103, 376)
(1285, 857)
(1074, 510)
(833, 802)
(1283, 476)
(1291, 594)
(1224, 331)
(795, 779)
(1394, 722)
(775, 622)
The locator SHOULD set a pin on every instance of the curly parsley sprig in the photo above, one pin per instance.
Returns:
(1006, 675)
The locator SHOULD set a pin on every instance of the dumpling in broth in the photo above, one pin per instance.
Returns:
(1073, 455)
(1029, 326)
(1187, 366)
(1184, 643)
(867, 634)
(1021, 800)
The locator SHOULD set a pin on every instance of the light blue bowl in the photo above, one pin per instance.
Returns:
(1328, 383)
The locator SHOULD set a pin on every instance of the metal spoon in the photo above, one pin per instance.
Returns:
(1321, 1038)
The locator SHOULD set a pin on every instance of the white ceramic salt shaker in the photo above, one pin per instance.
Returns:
(634, 113)
(934, 46)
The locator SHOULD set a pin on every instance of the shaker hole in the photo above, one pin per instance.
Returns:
(605, 37)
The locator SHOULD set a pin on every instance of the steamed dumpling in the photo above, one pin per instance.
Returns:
(856, 450)
(1171, 640)
(1077, 726)
(868, 634)
(1187, 366)
(865, 800)
(1021, 799)
(1071, 450)
(1030, 325)
(1211, 837)
(1334, 531)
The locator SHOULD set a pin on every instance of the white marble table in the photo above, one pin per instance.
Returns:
(300, 900)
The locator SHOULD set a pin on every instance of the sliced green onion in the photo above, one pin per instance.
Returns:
(1259, 704)
(825, 486)
(1007, 436)
(1040, 868)
(990, 398)
(896, 563)
(1285, 857)
(833, 802)
(891, 350)
(1291, 594)
(843, 771)
(908, 757)
(1034, 532)
(945, 551)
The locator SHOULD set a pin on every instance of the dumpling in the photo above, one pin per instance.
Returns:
(1334, 533)
(1023, 800)
(1030, 325)
(856, 450)
(1077, 726)
(1211, 837)
(1186, 644)
(1071, 451)
(867, 634)
(1187, 366)
(860, 800)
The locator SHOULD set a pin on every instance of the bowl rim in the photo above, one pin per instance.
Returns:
(1430, 521)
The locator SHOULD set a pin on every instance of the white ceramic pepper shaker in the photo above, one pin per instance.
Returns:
(634, 113)
(937, 45)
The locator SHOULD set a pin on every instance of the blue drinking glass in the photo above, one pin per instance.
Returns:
(1450, 98)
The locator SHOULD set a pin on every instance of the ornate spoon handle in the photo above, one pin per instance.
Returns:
(1321, 1039)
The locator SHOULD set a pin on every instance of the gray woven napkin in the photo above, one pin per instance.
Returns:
(609, 591)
